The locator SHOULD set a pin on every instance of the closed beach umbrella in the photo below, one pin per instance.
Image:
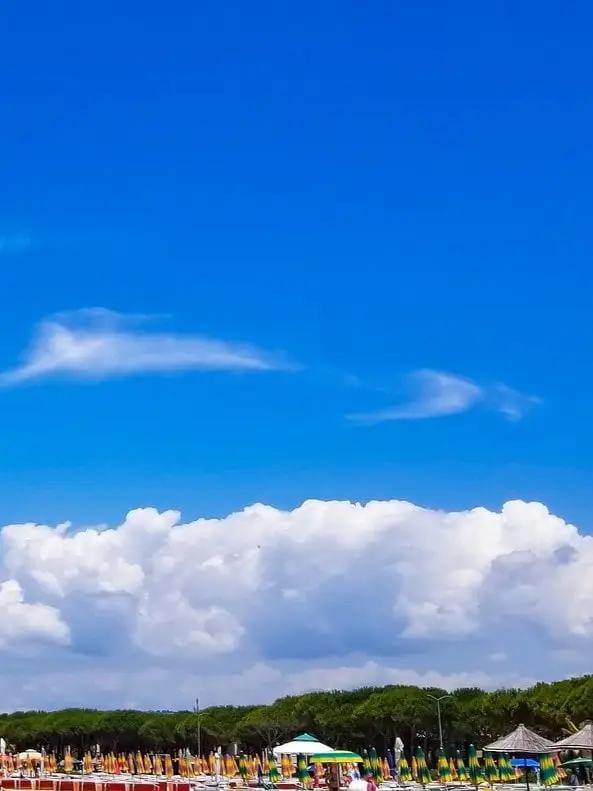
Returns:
(386, 768)
(414, 767)
(453, 769)
(507, 773)
(422, 773)
(474, 771)
(491, 769)
(273, 773)
(405, 775)
(367, 769)
(286, 765)
(443, 767)
(131, 765)
(376, 768)
(302, 771)
(158, 765)
(548, 774)
(168, 766)
(243, 771)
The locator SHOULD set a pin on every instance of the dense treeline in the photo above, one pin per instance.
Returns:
(348, 719)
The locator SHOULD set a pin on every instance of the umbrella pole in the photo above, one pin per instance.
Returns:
(526, 773)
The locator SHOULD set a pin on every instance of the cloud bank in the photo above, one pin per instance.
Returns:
(264, 602)
(438, 394)
(98, 344)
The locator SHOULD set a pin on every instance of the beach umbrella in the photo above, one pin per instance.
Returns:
(115, 764)
(490, 769)
(474, 771)
(462, 773)
(336, 757)
(286, 765)
(168, 766)
(367, 769)
(548, 774)
(559, 768)
(139, 761)
(68, 762)
(376, 767)
(405, 775)
(212, 763)
(443, 767)
(273, 773)
(243, 771)
(422, 773)
(302, 771)
(158, 765)
(414, 767)
(390, 764)
(507, 773)
(147, 764)
(453, 769)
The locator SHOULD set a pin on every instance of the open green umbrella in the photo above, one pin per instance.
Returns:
(273, 773)
(422, 773)
(578, 762)
(462, 773)
(302, 772)
(405, 775)
(474, 770)
(443, 767)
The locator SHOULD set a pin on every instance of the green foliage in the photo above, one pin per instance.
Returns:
(370, 716)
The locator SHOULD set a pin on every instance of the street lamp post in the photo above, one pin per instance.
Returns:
(438, 702)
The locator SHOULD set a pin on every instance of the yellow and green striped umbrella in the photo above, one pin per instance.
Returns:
(462, 773)
(273, 773)
(474, 770)
(367, 769)
(443, 767)
(376, 767)
(422, 773)
(405, 775)
(491, 770)
(302, 772)
(453, 770)
(548, 774)
(243, 771)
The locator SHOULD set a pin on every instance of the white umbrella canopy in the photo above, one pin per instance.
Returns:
(34, 754)
(304, 744)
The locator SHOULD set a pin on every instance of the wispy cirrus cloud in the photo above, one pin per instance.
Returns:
(97, 344)
(438, 394)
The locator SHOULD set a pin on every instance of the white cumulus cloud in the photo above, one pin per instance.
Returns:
(98, 343)
(265, 601)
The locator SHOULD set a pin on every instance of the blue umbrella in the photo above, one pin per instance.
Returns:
(521, 763)
(391, 763)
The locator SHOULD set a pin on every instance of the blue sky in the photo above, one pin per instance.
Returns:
(387, 204)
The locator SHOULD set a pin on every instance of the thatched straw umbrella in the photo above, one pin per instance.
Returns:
(522, 742)
(582, 740)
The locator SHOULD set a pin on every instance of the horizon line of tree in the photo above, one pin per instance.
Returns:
(352, 719)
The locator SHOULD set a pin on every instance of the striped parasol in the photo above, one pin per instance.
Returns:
(158, 765)
(405, 775)
(548, 774)
(168, 766)
(302, 771)
(243, 770)
(376, 767)
(367, 769)
(286, 765)
(474, 770)
(453, 770)
(443, 767)
(491, 770)
(273, 773)
(414, 767)
(505, 769)
(422, 773)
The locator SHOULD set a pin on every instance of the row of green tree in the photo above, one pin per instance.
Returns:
(347, 719)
